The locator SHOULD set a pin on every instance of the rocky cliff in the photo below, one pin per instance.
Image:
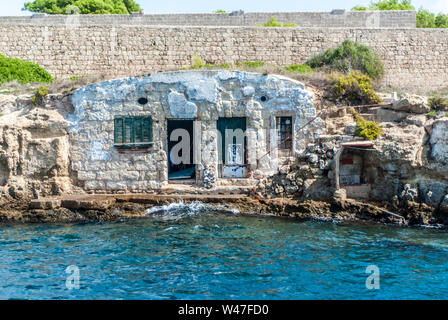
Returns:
(35, 157)
(408, 166)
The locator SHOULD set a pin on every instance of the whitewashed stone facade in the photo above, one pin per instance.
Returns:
(203, 96)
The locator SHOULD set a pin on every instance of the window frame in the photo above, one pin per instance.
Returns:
(130, 137)
(280, 143)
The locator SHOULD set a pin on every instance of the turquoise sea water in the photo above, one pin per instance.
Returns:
(192, 252)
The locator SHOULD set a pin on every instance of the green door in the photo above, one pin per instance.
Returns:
(233, 146)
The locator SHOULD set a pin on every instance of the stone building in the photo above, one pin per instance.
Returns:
(136, 134)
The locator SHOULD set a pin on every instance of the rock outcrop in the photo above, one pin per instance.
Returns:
(411, 103)
(34, 158)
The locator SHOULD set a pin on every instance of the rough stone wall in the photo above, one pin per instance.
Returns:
(414, 58)
(200, 95)
(334, 19)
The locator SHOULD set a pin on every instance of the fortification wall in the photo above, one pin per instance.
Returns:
(334, 19)
(416, 58)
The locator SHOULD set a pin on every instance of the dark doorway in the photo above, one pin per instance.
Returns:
(180, 150)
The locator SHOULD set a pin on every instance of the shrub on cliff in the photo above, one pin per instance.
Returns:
(438, 102)
(22, 71)
(84, 6)
(39, 95)
(355, 88)
(347, 57)
(369, 130)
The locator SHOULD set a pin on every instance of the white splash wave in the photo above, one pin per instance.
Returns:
(176, 210)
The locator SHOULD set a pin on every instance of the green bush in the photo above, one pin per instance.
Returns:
(299, 68)
(355, 88)
(84, 6)
(220, 11)
(22, 71)
(39, 95)
(274, 23)
(369, 130)
(438, 102)
(347, 57)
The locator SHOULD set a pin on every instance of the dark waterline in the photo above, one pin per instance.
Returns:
(198, 254)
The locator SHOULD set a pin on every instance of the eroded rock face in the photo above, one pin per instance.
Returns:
(34, 159)
(400, 143)
(439, 141)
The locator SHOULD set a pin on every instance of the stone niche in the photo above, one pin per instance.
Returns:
(201, 97)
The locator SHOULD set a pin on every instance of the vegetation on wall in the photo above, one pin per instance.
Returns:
(199, 63)
(347, 57)
(83, 6)
(274, 23)
(369, 130)
(355, 88)
(22, 71)
(425, 19)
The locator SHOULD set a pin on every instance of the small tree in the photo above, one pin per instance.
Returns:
(425, 19)
(84, 6)
(441, 20)
(387, 5)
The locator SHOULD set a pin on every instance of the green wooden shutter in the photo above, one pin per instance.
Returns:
(147, 129)
(128, 132)
(132, 130)
(138, 130)
(118, 130)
